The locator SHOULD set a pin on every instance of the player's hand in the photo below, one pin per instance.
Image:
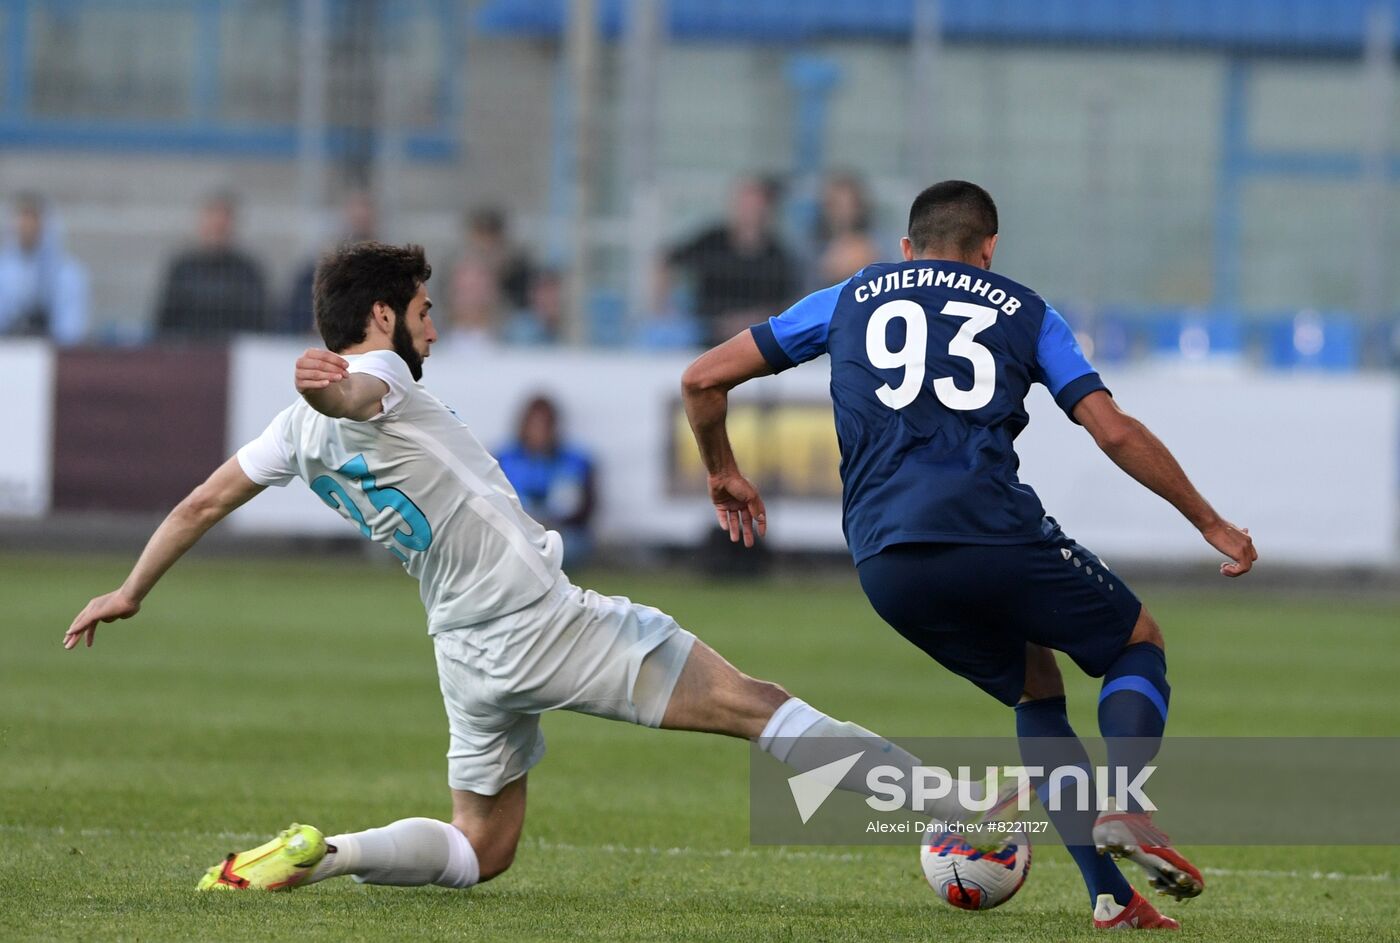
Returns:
(738, 508)
(317, 369)
(1235, 543)
(109, 608)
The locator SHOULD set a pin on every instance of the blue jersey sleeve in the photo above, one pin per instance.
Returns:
(1062, 366)
(799, 333)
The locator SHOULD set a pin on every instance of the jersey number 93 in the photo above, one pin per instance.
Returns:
(913, 354)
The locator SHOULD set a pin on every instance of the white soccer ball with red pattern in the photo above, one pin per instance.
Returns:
(970, 879)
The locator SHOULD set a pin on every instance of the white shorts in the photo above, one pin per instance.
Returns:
(571, 650)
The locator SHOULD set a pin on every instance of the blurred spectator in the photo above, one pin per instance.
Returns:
(359, 223)
(555, 481)
(43, 290)
(475, 313)
(542, 320)
(843, 240)
(214, 289)
(740, 270)
(488, 242)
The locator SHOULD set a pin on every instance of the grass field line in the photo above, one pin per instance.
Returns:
(682, 851)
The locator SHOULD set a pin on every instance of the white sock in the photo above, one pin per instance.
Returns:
(804, 738)
(409, 852)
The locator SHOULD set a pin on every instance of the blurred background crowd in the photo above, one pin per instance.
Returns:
(730, 273)
(1209, 190)
(1182, 179)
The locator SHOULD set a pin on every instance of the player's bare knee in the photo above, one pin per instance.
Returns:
(1041, 692)
(494, 853)
(1147, 630)
(1043, 678)
(496, 862)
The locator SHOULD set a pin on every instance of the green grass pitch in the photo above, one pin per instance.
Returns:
(250, 694)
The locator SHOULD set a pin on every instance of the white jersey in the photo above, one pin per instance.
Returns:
(416, 480)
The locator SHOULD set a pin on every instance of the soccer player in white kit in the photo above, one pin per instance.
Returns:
(513, 637)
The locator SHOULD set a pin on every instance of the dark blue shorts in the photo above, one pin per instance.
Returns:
(973, 607)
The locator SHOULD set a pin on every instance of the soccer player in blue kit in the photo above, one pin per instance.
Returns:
(931, 362)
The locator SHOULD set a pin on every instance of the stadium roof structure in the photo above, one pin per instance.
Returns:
(1335, 26)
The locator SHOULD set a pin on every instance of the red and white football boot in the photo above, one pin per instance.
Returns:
(1137, 914)
(1132, 835)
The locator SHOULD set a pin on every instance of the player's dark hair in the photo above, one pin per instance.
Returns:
(352, 278)
(953, 214)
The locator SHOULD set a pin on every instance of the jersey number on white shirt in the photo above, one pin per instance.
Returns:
(911, 357)
(418, 534)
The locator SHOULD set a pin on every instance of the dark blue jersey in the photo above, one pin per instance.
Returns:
(931, 362)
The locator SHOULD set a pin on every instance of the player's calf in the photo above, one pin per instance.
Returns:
(1132, 718)
(406, 853)
(492, 825)
(712, 695)
(494, 855)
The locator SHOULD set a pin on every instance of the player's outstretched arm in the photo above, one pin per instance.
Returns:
(201, 509)
(325, 382)
(1134, 448)
(705, 388)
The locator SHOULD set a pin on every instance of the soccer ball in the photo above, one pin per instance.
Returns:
(971, 879)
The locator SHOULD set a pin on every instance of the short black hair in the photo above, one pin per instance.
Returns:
(953, 214)
(351, 279)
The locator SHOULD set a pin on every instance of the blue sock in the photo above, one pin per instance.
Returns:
(1049, 741)
(1133, 711)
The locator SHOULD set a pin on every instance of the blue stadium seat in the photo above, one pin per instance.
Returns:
(1197, 335)
(607, 318)
(674, 332)
(1310, 339)
(1382, 343)
(1115, 338)
(1106, 338)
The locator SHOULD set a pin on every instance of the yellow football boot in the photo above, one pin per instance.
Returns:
(279, 865)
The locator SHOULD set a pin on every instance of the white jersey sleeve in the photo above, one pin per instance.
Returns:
(387, 366)
(267, 460)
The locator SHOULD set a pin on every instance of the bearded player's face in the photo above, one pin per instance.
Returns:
(414, 332)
